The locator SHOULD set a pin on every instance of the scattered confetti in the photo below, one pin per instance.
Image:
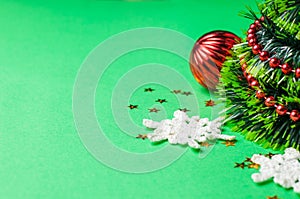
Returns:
(184, 110)
(240, 165)
(272, 197)
(133, 106)
(184, 130)
(228, 143)
(270, 155)
(205, 144)
(161, 100)
(253, 166)
(153, 110)
(284, 169)
(186, 93)
(176, 91)
(141, 136)
(210, 103)
(148, 90)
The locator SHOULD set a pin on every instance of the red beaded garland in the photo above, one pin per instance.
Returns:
(250, 36)
(297, 72)
(294, 115)
(281, 110)
(254, 83)
(270, 101)
(286, 68)
(260, 94)
(264, 55)
(252, 42)
(251, 31)
(274, 62)
(253, 26)
(256, 49)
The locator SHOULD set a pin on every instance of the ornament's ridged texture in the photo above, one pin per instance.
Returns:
(208, 55)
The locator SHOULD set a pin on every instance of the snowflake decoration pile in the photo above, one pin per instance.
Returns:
(284, 169)
(184, 130)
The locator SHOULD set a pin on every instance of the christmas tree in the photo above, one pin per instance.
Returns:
(261, 81)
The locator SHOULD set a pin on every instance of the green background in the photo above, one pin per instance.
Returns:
(42, 46)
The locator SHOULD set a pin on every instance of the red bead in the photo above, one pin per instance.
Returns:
(249, 78)
(264, 55)
(245, 74)
(253, 26)
(244, 66)
(254, 83)
(295, 116)
(257, 22)
(252, 42)
(270, 101)
(274, 62)
(251, 31)
(256, 49)
(260, 94)
(262, 18)
(251, 36)
(297, 72)
(281, 110)
(286, 68)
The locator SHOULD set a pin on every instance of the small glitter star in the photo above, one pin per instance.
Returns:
(253, 166)
(228, 143)
(155, 110)
(184, 110)
(205, 144)
(161, 100)
(240, 165)
(141, 136)
(176, 91)
(248, 160)
(210, 103)
(269, 155)
(148, 90)
(133, 106)
(274, 197)
(186, 93)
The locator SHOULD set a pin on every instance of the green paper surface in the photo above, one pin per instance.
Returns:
(43, 45)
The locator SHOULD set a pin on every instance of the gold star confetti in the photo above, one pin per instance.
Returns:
(210, 103)
(141, 136)
(253, 166)
(153, 110)
(176, 91)
(133, 106)
(161, 100)
(184, 110)
(270, 155)
(205, 144)
(228, 143)
(248, 160)
(240, 165)
(186, 93)
(148, 90)
(272, 197)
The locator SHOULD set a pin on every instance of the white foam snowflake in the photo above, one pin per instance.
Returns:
(284, 169)
(184, 130)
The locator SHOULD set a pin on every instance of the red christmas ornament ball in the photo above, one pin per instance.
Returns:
(294, 115)
(286, 68)
(270, 101)
(208, 55)
(274, 62)
(281, 110)
(254, 83)
(297, 73)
